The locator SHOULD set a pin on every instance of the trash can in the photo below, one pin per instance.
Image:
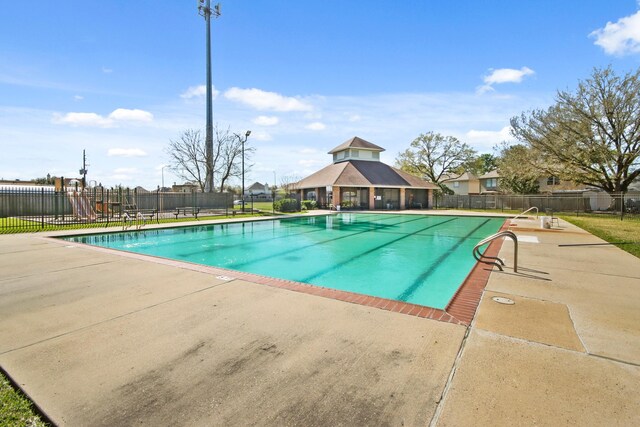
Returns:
(545, 222)
(337, 207)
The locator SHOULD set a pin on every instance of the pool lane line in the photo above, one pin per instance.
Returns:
(369, 251)
(143, 250)
(252, 243)
(289, 251)
(122, 236)
(436, 233)
(419, 281)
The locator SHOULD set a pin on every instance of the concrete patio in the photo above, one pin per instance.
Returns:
(100, 338)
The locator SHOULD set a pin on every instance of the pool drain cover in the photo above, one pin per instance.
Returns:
(501, 300)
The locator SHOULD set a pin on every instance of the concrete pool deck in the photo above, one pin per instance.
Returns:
(96, 338)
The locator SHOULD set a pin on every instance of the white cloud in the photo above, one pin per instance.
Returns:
(507, 75)
(354, 118)
(82, 119)
(263, 100)
(107, 70)
(126, 152)
(484, 89)
(198, 91)
(503, 75)
(266, 120)
(78, 97)
(316, 126)
(123, 114)
(96, 120)
(620, 38)
(485, 139)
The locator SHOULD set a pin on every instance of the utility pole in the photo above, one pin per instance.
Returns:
(204, 9)
(83, 171)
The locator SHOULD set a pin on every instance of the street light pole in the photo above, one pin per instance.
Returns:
(162, 171)
(204, 9)
(246, 136)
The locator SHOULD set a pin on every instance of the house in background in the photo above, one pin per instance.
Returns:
(187, 187)
(358, 179)
(489, 183)
(464, 184)
(258, 190)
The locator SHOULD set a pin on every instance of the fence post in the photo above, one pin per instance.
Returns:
(42, 206)
(621, 206)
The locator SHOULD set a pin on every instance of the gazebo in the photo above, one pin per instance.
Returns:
(357, 179)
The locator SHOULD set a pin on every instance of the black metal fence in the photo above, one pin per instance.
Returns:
(624, 206)
(34, 209)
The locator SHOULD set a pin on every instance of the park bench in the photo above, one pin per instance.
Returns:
(194, 211)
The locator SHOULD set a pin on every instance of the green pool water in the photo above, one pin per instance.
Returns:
(418, 259)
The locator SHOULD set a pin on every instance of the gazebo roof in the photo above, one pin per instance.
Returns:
(356, 142)
(362, 173)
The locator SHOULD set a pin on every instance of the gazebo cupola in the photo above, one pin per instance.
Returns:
(356, 149)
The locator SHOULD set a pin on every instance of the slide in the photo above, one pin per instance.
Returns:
(81, 205)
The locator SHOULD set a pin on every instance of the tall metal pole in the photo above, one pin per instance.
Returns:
(205, 10)
(83, 171)
(242, 189)
(246, 136)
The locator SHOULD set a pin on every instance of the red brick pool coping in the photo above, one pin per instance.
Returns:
(460, 310)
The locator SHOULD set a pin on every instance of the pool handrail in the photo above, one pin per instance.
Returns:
(522, 213)
(498, 262)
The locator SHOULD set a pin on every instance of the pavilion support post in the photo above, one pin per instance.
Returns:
(336, 195)
(372, 198)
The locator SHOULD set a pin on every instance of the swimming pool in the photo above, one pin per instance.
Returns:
(418, 259)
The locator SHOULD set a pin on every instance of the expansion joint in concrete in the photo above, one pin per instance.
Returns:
(445, 391)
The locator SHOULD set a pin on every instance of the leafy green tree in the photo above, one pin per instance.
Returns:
(590, 136)
(431, 156)
(479, 165)
(518, 170)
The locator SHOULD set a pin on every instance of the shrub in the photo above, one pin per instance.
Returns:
(309, 204)
(346, 204)
(286, 205)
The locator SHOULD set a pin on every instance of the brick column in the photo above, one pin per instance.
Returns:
(430, 199)
(402, 197)
(372, 198)
(336, 195)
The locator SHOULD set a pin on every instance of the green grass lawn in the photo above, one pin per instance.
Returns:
(15, 225)
(611, 229)
(15, 408)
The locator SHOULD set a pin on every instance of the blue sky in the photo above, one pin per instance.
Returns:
(121, 78)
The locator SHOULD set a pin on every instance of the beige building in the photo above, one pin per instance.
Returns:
(357, 179)
(469, 184)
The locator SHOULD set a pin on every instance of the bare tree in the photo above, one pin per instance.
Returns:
(289, 183)
(187, 157)
(591, 136)
(231, 157)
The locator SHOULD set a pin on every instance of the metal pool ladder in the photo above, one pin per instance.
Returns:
(521, 214)
(481, 257)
